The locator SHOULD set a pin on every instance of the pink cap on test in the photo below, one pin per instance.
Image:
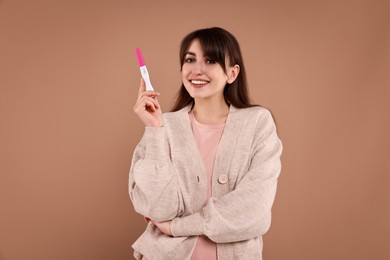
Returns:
(139, 56)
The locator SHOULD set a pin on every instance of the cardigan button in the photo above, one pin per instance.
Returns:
(223, 178)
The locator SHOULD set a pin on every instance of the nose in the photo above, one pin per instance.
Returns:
(198, 68)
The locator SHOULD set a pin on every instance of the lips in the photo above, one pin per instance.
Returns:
(198, 83)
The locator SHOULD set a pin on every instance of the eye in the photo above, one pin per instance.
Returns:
(189, 60)
(210, 61)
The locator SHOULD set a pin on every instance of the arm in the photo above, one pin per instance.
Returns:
(153, 181)
(245, 212)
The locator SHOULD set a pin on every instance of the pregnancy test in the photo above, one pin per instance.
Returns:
(144, 70)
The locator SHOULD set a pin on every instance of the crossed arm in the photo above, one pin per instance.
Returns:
(241, 214)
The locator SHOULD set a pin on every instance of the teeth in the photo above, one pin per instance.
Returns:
(198, 82)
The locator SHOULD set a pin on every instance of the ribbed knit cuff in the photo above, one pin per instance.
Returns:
(154, 143)
(191, 225)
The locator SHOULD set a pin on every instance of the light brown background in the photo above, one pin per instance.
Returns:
(69, 79)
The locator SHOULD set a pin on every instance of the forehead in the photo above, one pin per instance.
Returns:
(195, 48)
(207, 50)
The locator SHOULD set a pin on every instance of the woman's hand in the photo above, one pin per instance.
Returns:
(147, 107)
(164, 227)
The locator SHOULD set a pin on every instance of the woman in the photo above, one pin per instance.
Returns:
(204, 175)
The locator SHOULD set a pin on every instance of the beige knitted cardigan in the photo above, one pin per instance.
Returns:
(167, 181)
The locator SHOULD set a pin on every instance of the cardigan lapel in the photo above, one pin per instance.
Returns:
(225, 152)
(193, 158)
(188, 144)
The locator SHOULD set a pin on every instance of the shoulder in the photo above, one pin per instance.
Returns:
(176, 115)
(259, 120)
(255, 113)
(176, 120)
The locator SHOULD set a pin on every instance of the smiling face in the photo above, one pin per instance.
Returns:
(202, 77)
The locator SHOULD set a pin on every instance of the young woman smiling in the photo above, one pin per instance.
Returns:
(204, 175)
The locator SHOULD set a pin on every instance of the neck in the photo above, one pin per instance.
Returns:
(211, 113)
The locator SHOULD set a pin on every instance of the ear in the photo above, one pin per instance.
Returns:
(233, 73)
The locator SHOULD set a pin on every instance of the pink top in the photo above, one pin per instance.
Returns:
(207, 138)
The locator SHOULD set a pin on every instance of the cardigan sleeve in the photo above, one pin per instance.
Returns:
(153, 181)
(245, 212)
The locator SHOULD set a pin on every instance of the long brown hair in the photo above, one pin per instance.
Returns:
(219, 45)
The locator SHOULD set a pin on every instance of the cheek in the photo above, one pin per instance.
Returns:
(183, 73)
(184, 76)
(185, 68)
(188, 88)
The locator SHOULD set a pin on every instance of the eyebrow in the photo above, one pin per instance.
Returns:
(193, 54)
(190, 53)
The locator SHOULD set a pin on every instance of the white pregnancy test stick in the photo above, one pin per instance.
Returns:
(144, 70)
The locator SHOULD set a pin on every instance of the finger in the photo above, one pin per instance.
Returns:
(142, 86)
(145, 95)
(149, 101)
(141, 99)
(146, 105)
(150, 107)
(142, 89)
(148, 93)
